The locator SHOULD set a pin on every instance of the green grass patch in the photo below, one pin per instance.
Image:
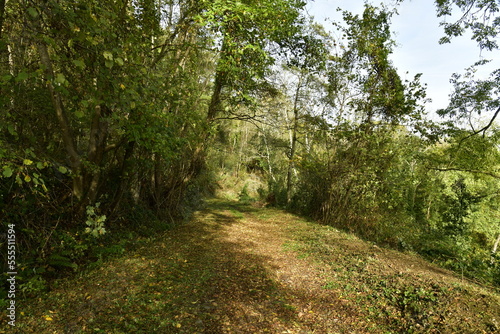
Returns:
(393, 300)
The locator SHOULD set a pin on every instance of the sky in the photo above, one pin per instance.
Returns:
(417, 33)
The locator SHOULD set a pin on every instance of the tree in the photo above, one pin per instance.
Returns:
(475, 103)
(102, 102)
(307, 63)
(248, 31)
(473, 97)
(377, 92)
(126, 95)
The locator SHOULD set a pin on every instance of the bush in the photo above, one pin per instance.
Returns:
(244, 196)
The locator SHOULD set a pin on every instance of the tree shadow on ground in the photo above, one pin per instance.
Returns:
(190, 280)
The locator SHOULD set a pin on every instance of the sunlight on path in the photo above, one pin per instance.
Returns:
(239, 269)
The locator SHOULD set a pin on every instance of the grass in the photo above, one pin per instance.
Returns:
(390, 296)
(239, 269)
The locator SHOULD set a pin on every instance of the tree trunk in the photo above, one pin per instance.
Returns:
(66, 132)
(124, 176)
(5, 57)
(495, 246)
(268, 157)
(97, 144)
(219, 82)
(291, 165)
(293, 142)
(158, 182)
(199, 153)
(213, 108)
(2, 19)
(494, 250)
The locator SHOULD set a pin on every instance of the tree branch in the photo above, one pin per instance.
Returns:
(483, 130)
(474, 171)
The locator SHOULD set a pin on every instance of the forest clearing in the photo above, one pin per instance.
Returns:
(236, 268)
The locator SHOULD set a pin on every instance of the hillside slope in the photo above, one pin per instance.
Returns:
(239, 269)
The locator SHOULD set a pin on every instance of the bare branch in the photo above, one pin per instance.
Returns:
(483, 130)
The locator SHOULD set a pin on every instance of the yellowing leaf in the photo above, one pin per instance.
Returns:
(27, 162)
(48, 318)
(107, 55)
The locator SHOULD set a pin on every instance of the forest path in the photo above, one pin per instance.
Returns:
(238, 269)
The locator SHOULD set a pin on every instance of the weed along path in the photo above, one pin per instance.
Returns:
(239, 269)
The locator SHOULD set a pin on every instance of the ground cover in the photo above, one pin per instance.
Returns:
(237, 268)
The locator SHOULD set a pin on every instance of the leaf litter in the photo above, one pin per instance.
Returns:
(235, 268)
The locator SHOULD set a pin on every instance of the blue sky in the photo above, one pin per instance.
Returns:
(417, 32)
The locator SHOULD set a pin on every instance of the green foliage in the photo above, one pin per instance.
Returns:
(33, 286)
(378, 92)
(457, 208)
(472, 96)
(248, 31)
(244, 196)
(95, 222)
(119, 116)
(481, 18)
(128, 133)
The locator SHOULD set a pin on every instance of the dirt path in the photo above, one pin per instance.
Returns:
(270, 289)
(239, 269)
